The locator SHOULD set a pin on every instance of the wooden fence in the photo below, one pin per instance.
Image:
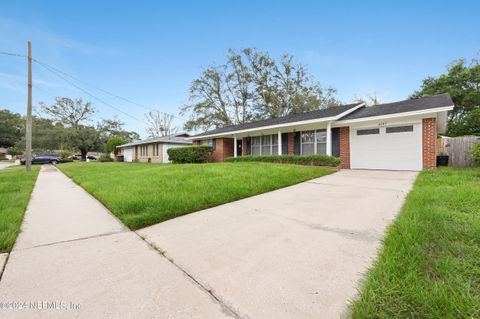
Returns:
(458, 149)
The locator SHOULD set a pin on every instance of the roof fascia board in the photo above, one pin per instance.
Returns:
(153, 142)
(261, 128)
(318, 120)
(394, 115)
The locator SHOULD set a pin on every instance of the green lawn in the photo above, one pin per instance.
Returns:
(142, 194)
(430, 263)
(15, 188)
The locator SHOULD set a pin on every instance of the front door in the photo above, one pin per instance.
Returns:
(239, 147)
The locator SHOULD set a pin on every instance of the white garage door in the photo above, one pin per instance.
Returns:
(394, 147)
(127, 155)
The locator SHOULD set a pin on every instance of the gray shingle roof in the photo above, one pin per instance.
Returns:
(171, 139)
(423, 103)
(317, 114)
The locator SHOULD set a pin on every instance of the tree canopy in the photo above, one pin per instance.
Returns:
(252, 85)
(159, 124)
(68, 126)
(112, 144)
(462, 82)
(10, 128)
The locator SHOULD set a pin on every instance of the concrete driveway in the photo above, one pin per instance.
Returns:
(298, 252)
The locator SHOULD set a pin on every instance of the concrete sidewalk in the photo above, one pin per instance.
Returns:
(73, 259)
(5, 164)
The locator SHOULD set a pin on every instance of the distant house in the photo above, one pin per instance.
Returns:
(396, 136)
(152, 149)
(3, 152)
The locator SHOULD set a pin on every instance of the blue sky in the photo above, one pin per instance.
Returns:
(150, 52)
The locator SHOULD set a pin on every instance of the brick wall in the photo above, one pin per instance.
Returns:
(345, 147)
(195, 143)
(153, 158)
(429, 136)
(244, 146)
(291, 143)
(223, 149)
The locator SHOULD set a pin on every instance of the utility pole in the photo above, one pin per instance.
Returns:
(28, 133)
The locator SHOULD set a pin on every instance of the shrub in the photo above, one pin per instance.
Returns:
(315, 160)
(105, 158)
(65, 154)
(113, 142)
(189, 154)
(475, 153)
(14, 151)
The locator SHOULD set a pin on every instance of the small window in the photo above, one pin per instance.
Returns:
(370, 131)
(207, 142)
(400, 129)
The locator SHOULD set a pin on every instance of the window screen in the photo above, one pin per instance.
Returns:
(256, 145)
(266, 143)
(321, 142)
(274, 144)
(400, 129)
(370, 131)
(308, 142)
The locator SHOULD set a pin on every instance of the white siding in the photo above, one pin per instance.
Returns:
(128, 154)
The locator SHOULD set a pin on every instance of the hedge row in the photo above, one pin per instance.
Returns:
(315, 160)
(189, 154)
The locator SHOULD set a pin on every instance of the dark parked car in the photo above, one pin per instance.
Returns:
(43, 159)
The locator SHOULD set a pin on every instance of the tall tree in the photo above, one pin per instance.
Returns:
(462, 82)
(70, 112)
(10, 128)
(73, 114)
(159, 124)
(285, 87)
(114, 127)
(47, 136)
(251, 85)
(84, 138)
(369, 99)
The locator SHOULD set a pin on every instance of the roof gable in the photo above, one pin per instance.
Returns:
(420, 104)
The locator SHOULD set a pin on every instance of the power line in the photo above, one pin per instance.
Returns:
(103, 90)
(63, 75)
(13, 54)
(92, 96)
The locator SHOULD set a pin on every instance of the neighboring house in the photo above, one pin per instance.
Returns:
(3, 152)
(154, 148)
(397, 136)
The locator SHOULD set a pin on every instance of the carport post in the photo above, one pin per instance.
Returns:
(279, 143)
(329, 138)
(234, 146)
